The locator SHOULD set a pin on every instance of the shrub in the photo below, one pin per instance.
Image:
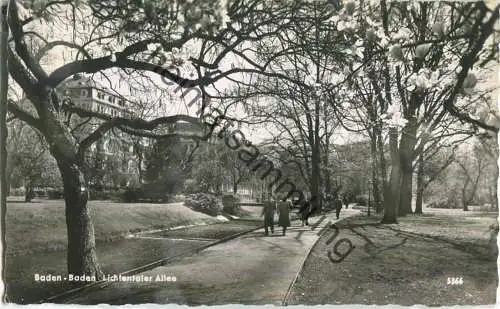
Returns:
(104, 194)
(155, 193)
(98, 194)
(190, 186)
(132, 194)
(362, 200)
(444, 203)
(204, 202)
(229, 203)
(55, 194)
(177, 198)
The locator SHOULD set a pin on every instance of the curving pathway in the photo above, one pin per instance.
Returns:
(251, 269)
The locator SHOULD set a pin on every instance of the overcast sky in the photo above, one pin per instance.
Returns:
(176, 103)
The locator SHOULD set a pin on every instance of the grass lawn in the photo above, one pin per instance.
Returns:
(405, 264)
(36, 241)
(40, 226)
(213, 231)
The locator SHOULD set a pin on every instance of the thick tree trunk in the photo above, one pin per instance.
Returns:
(464, 195)
(391, 201)
(465, 207)
(494, 186)
(420, 184)
(315, 175)
(235, 188)
(328, 180)
(81, 254)
(493, 197)
(9, 169)
(406, 153)
(98, 179)
(493, 189)
(375, 179)
(315, 164)
(381, 162)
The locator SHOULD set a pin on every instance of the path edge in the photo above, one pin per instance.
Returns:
(284, 302)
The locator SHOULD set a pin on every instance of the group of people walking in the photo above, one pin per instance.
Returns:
(282, 208)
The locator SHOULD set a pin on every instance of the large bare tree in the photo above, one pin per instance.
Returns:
(131, 39)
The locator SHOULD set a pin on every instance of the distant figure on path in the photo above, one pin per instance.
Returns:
(305, 211)
(284, 215)
(346, 201)
(268, 213)
(338, 206)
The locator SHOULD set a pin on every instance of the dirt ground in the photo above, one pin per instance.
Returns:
(405, 264)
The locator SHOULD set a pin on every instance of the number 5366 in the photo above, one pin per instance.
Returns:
(455, 280)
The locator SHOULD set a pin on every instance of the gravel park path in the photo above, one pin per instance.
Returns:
(251, 269)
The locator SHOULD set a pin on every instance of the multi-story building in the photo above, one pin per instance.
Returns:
(111, 161)
(92, 96)
(116, 147)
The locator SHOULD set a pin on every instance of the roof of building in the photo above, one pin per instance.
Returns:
(81, 81)
(78, 81)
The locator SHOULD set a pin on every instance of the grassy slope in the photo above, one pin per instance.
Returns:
(40, 227)
(404, 264)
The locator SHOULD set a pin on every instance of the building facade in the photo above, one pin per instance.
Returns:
(114, 160)
(110, 162)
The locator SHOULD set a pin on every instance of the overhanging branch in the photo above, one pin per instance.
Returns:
(23, 115)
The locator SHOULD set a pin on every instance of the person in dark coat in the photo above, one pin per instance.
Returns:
(268, 213)
(305, 211)
(284, 215)
(338, 206)
(346, 201)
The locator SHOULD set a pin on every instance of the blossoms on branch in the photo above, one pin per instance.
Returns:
(422, 50)
(191, 16)
(439, 29)
(346, 19)
(423, 80)
(396, 52)
(393, 117)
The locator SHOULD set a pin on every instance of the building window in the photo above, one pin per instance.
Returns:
(83, 93)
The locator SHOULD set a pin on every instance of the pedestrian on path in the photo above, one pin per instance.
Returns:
(338, 206)
(284, 215)
(346, 201)
(268, 213)
(304, 212)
